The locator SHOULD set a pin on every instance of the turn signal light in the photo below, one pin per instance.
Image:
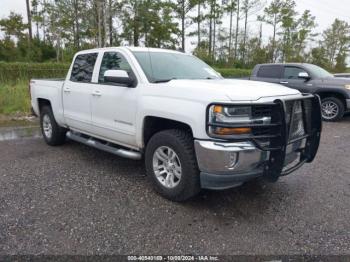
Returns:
(232, 131)
(218, 109)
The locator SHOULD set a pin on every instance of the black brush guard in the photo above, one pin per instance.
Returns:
(275, 167)
(277, 133)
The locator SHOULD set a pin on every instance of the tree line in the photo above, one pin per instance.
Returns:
(226, 33)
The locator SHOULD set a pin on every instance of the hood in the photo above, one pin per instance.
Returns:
(228, 89)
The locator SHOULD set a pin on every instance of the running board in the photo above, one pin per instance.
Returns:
(108, 147)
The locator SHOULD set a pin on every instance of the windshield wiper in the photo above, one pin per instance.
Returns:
(163, 80)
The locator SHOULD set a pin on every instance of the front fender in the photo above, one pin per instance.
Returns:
(192, 113)
(333, 90)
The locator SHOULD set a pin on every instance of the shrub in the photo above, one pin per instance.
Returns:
(234, 72)
(21, 72)
(14, 77)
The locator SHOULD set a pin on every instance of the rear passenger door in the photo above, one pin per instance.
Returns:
(291, 78)
(269, 73)
(77, 93)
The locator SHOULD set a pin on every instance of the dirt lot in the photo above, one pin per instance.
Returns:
(77, 200)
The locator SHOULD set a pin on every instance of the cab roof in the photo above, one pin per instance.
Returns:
(283, 64)
(132, 49)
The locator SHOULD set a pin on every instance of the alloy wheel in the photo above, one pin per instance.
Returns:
(167, 167)
(329, 110)
(47, 126)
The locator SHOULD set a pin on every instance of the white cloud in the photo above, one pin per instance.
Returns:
(18, 6)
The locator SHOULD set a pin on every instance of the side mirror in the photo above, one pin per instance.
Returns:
(304, 75)
(118, 77)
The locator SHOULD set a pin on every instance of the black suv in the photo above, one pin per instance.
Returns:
(308, 78)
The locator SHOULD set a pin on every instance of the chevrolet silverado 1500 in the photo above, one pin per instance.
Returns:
(193, 128)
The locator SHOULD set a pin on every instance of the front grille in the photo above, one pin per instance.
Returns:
(265, 134)
(261, 131)
(261, 111)
(297, 115)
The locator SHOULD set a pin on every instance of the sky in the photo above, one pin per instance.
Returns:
(326, 11)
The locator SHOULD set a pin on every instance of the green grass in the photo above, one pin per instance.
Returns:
(14, 99)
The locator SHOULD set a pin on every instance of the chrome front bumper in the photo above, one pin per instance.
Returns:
(278, 152)
(225, 165)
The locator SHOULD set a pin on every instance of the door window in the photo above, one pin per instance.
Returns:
(83, 68)
(291, 72)
(113, 61)
(270, 71)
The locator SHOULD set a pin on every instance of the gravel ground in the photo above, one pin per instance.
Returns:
(78, 200)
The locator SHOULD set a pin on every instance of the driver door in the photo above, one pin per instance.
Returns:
(114, 106)
(290, 78)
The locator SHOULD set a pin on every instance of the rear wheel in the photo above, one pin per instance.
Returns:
(171, 165)
(332, 109)
(53, 134)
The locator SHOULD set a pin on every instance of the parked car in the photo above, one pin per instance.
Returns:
(193, 128)
(343, 75)
(308, 78)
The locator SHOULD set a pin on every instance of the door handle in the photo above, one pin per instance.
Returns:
(66, 90)
(96, 93)
(284, 82)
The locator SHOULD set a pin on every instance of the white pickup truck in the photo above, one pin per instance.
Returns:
(193, 128)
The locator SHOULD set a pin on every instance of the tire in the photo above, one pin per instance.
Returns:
(181, 143)
(53, 134)
(332, 109)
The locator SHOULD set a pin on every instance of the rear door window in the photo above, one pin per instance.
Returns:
(83, 68)
(270, 71)
(292, 72)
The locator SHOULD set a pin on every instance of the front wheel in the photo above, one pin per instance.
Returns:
(332, 109)
(171, 165)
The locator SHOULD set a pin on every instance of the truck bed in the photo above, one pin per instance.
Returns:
(49, 89)
(37, 84)
(40, 80)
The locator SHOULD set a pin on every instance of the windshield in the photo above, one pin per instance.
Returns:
(165, 66)
(318, 72)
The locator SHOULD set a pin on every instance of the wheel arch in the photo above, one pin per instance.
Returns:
(331, 93)
(153, 125)
(57, 113)
(43, 102)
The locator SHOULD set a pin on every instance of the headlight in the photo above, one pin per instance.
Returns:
(347, 87)
(232, 120)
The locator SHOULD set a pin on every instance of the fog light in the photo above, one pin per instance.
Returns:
(232, 161)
